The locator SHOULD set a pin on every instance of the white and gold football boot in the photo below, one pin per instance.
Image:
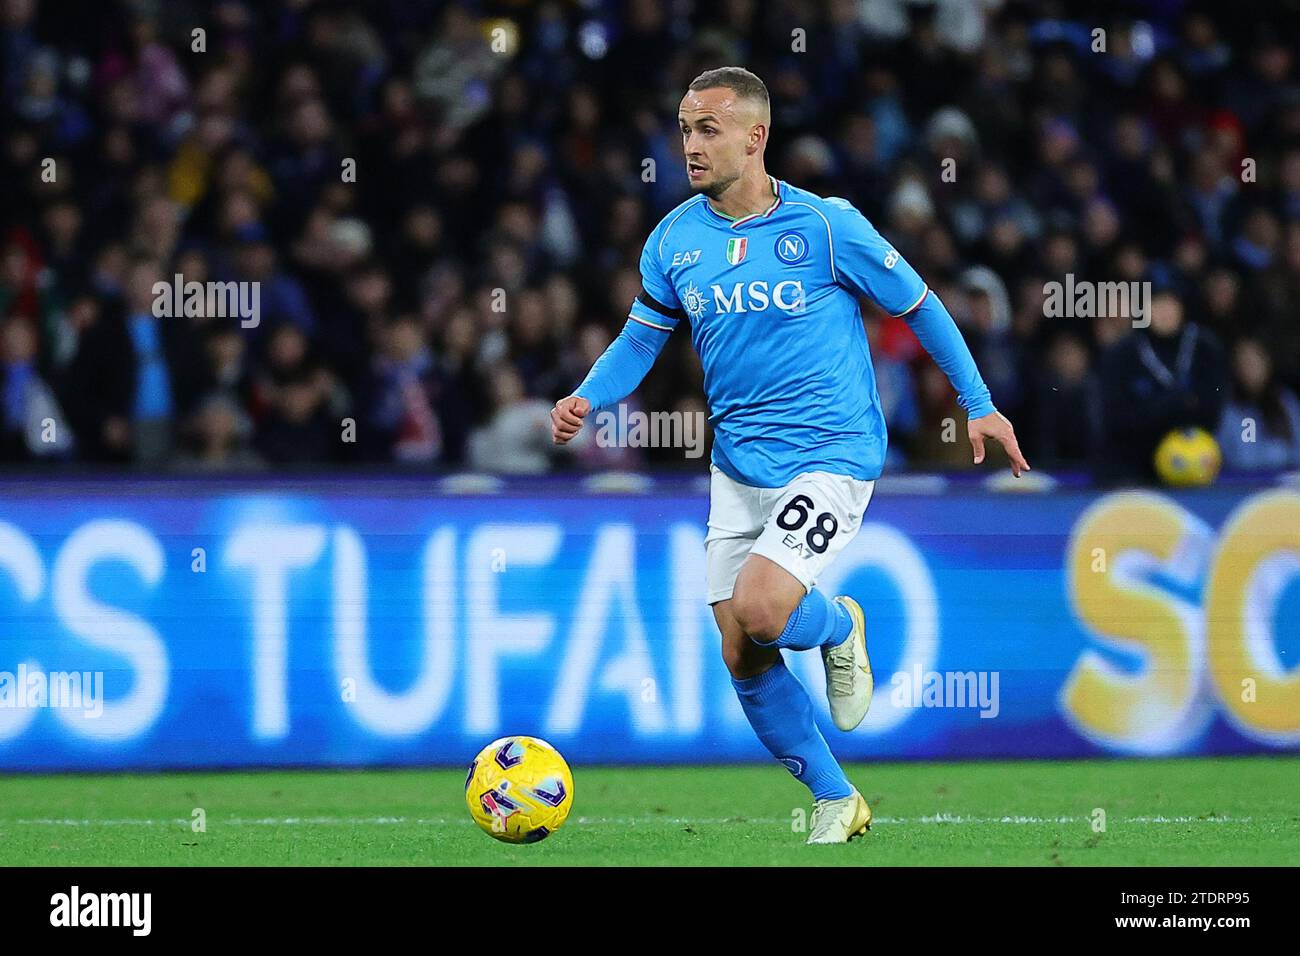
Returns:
(839, 821)
(848, 671)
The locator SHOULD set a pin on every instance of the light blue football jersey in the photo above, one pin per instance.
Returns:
(771, 301)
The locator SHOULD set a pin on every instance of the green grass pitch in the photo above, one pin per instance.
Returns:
(1230, 811)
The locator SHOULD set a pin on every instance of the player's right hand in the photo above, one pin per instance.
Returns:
(566, 418)
(996, 426)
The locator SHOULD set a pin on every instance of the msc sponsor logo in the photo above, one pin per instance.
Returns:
(693, 302)
(755, 296)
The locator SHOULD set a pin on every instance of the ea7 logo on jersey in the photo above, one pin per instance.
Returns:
(891, 259)
(754, 297)
(688, 258)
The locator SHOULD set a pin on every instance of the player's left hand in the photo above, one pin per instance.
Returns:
(996, 426)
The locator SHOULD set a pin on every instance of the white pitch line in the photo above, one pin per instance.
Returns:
(942, 819)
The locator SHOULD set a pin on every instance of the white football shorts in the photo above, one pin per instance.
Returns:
(801, 527)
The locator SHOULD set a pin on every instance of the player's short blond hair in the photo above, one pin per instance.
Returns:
(743, 83)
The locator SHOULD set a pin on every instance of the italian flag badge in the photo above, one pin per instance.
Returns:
(736, 250)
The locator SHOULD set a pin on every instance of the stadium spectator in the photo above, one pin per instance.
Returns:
(34, 427)
(220, 438)
(98, 383)
(298, 428)
(402, 394)
(153, 404)
(367, 161)
(1169, 375)
(517, 438)
(1066, 405)
(1260, 428)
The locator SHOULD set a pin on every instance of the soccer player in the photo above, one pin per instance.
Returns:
(768, 276)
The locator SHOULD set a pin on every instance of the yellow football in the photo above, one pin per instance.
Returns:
(519, 789)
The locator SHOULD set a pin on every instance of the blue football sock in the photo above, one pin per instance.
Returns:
(781, 714)
(816, 620)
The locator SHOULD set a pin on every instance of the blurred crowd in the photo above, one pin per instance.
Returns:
(444, 205)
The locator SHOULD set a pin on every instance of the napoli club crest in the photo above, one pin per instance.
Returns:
(791, 247)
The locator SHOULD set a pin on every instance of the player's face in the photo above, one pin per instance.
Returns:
(718, 136)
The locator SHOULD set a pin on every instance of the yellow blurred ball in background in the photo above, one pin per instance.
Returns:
(1188, 458)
